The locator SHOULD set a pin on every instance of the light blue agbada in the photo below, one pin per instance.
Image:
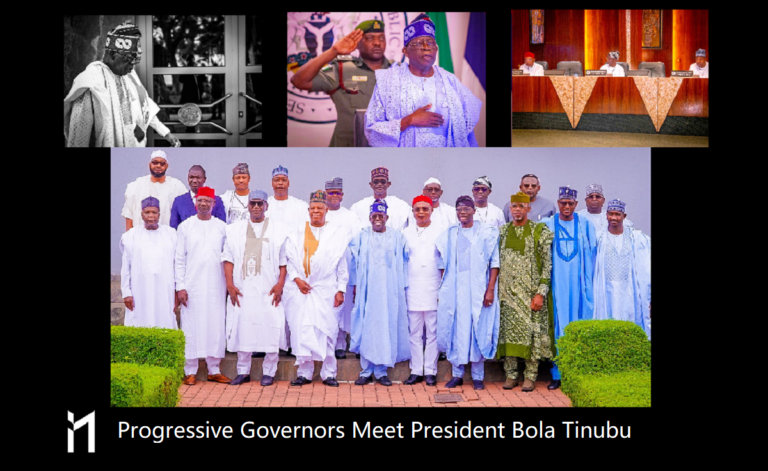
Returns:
(463, 337)
(623, 279)
(573, 263)
(379, 270)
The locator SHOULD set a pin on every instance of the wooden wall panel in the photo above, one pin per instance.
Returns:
(602, 34)
(665, 53)
(692, 99)
(691, 32)
(521, 35)
(535, 94)
(563, 37)
(636, 38)
(615, 96)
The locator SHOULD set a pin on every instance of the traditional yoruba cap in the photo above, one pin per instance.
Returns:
(520, 197)
(482, 181)
(335, 184)
(701, 53)
(432, 180)
(423, 199)
(371, 26)
(150, 201)
(421, 26)
(258, 195)
(240, 169)
(124, 37)
(158, 153)
(529, 54)
(318, 197)
(466, 201)
(567, 193)
(613, 54)
(380, 171)
(280, 170)
(594, 188)
(379, 206)
(616, 205)
(206, 191)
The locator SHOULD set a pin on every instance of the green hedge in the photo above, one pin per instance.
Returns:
(144, 386)
(149, 346)
(605, 363)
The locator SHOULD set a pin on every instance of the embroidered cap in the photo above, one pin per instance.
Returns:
(124, 38)
(318, 197)
(614, 55)
(701, 53)
(421, 26)
(335, 184)
(241, 169)
(483, 181)
(257, 195)
(520, 197)
(379, 206)
(567, 193)
(594, 188)
(465, 201)
(380, 172)
(280, 170)
(150, 201)
(617, 205)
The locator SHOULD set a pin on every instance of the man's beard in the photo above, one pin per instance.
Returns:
(157, 174)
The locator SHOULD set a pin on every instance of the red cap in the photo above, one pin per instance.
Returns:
(528, 54)
(423, 199)
(206, 191)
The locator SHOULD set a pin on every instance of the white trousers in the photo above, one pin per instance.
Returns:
(190, 366)
(423, 357)
(268, 367)
(307, 367)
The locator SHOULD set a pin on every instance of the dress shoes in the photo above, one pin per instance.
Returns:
(431, 380)
(340, 354)
(441, 356)
(258, 354)
(331, 382)
(454, 382)
(364, 380)
(189, 380)
(384, 381)
(240, 379)
(554, 384)
(300, 381)
(510, 383)
(478, 384)
(357, 355)
(528, 385)
(219, 378)
(287, 353)
(267, 380)
(413, 379)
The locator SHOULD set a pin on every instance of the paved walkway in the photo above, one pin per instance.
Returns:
(281, 394)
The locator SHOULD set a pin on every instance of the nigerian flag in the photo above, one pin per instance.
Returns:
(441, 36)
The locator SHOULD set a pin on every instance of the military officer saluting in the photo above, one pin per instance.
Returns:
(349, 80)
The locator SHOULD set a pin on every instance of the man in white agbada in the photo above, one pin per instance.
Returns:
(342, 216)
(594, 211)
(236, 201)
(107, 105)
(158, 185)
(312, 302)
(530, 67)
(423, 282)
(622, 282)
(486, 212)
(255, 266)
(612, 66)
(701, 66)
(397, 209)
(146, 276)
(201, 289)
(443, 215)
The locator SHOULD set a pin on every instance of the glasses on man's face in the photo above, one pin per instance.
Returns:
(421, 210)
(430, 43)
(530, 185)
(257, 203)
(566, 203)
(480, 189)
(464, 209)
(333, 193)
(433, 189)
(379, 182)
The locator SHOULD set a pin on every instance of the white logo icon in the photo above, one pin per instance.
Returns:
(123, 43)
(409, 33)
(90, 421)
(429, 29)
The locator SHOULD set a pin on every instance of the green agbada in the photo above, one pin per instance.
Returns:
(526, 268)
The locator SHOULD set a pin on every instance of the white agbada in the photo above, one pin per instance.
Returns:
(313, 319)
(617, 70)
(536, 71)
(348, 219)
(256, 325)
(702, 72)
(143, 187)
(147, 275)
(444, 216)
(235, 206)
(397, 210)
(491, 214)
(200, 272)
(292, 212)
(423, 275)
(600, 221)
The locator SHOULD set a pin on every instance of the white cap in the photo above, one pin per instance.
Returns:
(432, 180)
(158, 153)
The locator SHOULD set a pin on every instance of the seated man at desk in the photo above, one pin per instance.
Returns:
(701, 66)
(612, 67)
(531, 68)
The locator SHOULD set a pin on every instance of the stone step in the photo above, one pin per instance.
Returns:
(349, 369)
